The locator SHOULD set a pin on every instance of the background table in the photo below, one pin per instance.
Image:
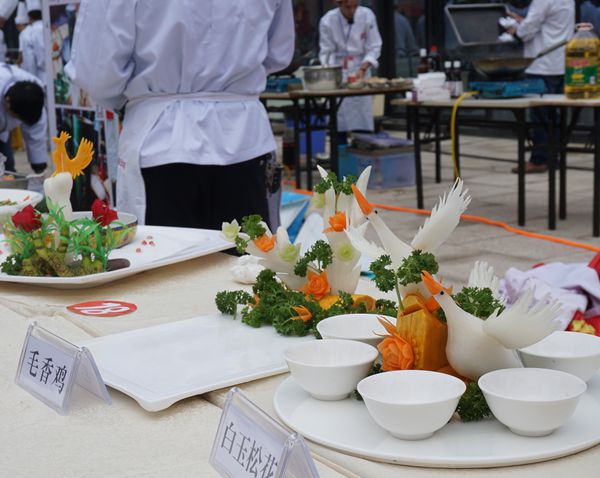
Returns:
(324, 105)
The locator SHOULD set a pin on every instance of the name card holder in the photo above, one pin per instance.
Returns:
(50, 367)
(249, 443)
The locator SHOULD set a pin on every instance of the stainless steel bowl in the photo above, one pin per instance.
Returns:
(319, 78)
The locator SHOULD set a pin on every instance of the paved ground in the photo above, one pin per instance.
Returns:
(494, 195)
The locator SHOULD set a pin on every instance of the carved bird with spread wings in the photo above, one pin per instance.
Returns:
(74, 166)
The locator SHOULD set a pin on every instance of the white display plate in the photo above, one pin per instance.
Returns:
(157, 366)
(171, 245)
(347, 426)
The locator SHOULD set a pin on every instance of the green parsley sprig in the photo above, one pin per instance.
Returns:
(332, 181)
(472, 406)
(320, 254)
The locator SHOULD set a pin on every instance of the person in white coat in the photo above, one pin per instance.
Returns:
(547, 22)
(31, 42)
(23, 105)
(349, 37)
(195, 136)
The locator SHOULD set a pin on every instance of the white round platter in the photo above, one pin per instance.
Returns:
(347, 427)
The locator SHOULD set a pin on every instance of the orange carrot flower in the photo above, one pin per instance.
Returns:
(265, 243)
(303, 314)
(317, 286)
(337, 222)
(396, 353)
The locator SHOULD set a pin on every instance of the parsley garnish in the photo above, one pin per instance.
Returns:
(472, 406)
(479, 302)
(321, 253)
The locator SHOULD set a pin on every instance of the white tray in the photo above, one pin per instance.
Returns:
(160, 365)
(346, 426)
(171, 245)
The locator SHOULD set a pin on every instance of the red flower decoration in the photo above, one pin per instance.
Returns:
(27, 219)
(102, 213)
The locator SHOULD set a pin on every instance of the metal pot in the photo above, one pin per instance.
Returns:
(319, 78)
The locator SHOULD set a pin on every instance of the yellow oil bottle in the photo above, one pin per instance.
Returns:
(581, 72)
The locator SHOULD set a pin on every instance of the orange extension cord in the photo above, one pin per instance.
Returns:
(483, 220)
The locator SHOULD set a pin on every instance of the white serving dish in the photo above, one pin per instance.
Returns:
(360, 327)
(532, 401)
(411, 404)
(168, 245)
(22, 197)
(346, 426)
(571, 352)
(161, 365)
(330, 369)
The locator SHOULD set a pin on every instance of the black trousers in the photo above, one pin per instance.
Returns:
(188, 195)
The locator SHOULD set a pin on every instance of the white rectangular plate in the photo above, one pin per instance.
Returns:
(157, 366)
(152, 247)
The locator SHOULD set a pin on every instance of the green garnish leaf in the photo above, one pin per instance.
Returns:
(411, 268)
(472, 406)
(478, 301)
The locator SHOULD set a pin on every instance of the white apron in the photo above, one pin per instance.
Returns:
(141, 116)
(355, 112)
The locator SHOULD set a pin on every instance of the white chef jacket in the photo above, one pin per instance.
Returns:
(31, 44)
(7, 7)
(547, 22)
(350, 45)
(35, 136)
(129, 50)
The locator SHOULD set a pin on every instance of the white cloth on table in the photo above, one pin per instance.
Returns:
(36, 135)
(576, 286)
(351, 44)
(547, 22)
(31, 44)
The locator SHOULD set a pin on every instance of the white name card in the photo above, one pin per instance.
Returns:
(249, 443)
(50, 367)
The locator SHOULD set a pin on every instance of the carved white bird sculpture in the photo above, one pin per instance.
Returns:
(477, 346)
(444, 218)
(482, 275)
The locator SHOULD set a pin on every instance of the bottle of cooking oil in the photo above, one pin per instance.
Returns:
(581, 74)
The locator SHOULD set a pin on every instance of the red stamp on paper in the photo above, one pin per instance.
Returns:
(103, 308)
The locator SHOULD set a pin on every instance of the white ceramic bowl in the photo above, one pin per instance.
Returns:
(571, 352)
(411, 404)
(360, 327)
(330, 369)
(532, 401)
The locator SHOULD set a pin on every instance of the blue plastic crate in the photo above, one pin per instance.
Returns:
(317, 137)
(389, 169)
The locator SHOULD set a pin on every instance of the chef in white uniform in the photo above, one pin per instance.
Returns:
(22, 105)
(31, 42)
(195, 136)
(349, 37)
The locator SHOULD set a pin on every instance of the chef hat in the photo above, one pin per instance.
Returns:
(21, 17)
(33, 5)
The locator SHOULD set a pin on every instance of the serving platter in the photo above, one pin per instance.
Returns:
(160, 365)
(153, 247)
(346, 426)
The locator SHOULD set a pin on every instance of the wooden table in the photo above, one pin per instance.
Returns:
(325, 105)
